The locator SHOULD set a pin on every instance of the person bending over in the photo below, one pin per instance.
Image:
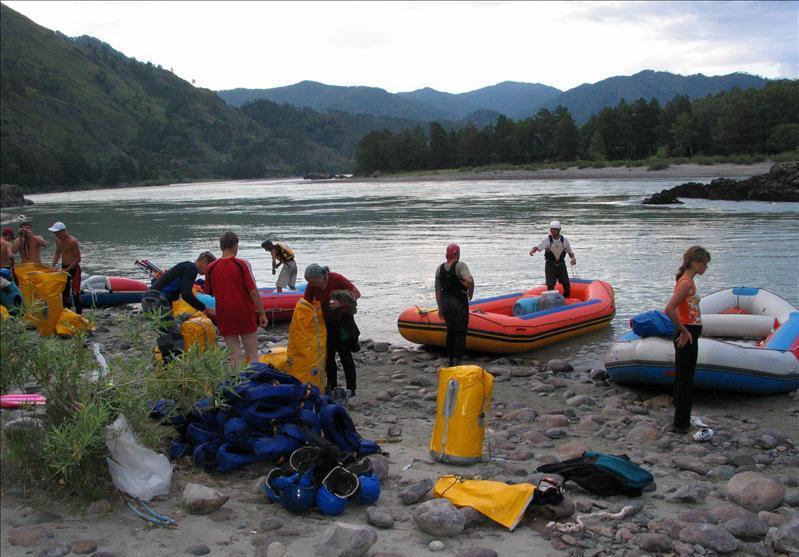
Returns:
(282, 256)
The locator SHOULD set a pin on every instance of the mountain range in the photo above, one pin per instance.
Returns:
(513, 99)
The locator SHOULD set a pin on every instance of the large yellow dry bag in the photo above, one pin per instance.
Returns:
(307, 349)
(198, 331)
(276, 357)
(501, 502)
(47, 289)
(22, 273)
(181, 307)
(464, 398)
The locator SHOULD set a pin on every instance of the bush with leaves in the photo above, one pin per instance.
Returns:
(63, 447)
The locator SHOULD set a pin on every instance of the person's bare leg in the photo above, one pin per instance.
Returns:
(234, 350)
(251, 346)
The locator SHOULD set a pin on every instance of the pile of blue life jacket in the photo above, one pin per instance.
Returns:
(269, 415)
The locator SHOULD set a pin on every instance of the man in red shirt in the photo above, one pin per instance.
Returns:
(338, 320)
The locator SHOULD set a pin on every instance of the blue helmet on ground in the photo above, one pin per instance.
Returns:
(328, 503)
(276, 480)
(338, 485)
(368, 490)
(300, 495)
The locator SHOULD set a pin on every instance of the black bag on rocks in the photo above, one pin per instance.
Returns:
(602, 474)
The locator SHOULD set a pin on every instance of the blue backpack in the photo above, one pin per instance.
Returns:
(653, 324)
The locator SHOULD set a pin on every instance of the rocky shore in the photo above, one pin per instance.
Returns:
(737, 494)
(11, 196)
(781, 183)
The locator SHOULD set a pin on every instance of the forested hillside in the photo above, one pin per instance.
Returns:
(763, 121)
(77, 113)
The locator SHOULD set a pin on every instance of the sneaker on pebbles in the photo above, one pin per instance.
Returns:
(704, 434)
(698, 421)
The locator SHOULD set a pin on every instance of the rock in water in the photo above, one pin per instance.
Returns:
(345, 540)
(199, 499)
(755, 492)
(439, 517)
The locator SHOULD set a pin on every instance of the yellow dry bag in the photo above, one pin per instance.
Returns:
(276, 357)
(181, 306)
(198, 331)
(22, 273)
(307, 349)
(464, 398)
(47, 287)
(501, 502)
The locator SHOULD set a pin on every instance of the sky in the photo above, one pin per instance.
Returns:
(449, 46)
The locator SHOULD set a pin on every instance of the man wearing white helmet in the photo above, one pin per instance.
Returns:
(555, 247)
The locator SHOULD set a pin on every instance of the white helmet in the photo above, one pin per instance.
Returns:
(555, 224)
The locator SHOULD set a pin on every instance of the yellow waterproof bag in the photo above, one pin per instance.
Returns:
(501, 502)
(47, 288)
(22, 273)
(276, 357)
(4, 313)
(181, 306)
(307, 349)
(198, 331)
(70, 323)
(464, 398)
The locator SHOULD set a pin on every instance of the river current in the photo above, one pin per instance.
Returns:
(388, 238)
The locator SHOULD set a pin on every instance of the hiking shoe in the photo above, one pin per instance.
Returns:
(704, 434)
(698, 421)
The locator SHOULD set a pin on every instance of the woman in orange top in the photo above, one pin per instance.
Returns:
(683, 310)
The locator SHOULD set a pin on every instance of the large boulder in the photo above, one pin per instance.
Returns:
(11, 196)
(439, 517)
(755, 492)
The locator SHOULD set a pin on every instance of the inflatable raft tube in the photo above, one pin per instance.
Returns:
(749, 344)
(279, 306)
(493, 327)
(101, 290)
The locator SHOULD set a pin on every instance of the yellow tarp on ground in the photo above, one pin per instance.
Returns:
(307, 349)
(501, 502)
(464, 399)
(47, 288)
(276, 357)
(70, 323)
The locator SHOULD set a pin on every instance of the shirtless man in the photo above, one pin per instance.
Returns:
(67, 249)
(6, 257)
(28, 245)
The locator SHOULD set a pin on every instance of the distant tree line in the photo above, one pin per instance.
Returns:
(734, 122)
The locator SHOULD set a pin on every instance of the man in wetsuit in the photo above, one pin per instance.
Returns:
(67, 249)
(555, 247)
(177, 282)
(454, 289)
(282, 255)
(28, 245)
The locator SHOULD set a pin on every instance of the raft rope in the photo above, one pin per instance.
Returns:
(149, 515)
(579, 526)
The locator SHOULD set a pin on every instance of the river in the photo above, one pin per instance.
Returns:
(388, 238)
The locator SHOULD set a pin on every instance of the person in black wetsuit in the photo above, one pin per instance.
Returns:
(177, 282)
(454, 289)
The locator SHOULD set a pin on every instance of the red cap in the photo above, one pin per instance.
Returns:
(8, 231)
(453, 251)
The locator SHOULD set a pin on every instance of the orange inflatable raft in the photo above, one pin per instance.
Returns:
(493, 327)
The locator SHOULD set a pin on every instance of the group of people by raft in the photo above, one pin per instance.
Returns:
(238, 310)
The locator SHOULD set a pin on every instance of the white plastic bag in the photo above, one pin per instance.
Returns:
(136, 470)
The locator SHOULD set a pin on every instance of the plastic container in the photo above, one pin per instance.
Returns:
(551, 299)
(523, 306)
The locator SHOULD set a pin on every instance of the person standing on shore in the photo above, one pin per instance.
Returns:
(555, 247)
(683, 310)
(67, 249)
(338, 310)
(282, 255)
(6, 253)
(239, 310)
(28, 245)
(454, 288)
